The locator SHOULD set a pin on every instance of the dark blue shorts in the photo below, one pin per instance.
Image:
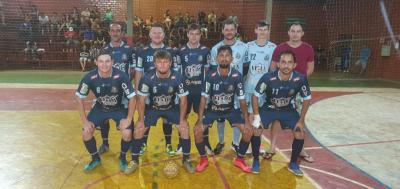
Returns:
(288, 119)
(193, 101)
(97, 116)
(151, 116)
(234, 117)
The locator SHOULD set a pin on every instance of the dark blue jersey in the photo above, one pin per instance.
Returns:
(222, 90)
(192, 62)
(161, 92)
(280, 95)
(124, 56)
(108, 91)
(145, 57)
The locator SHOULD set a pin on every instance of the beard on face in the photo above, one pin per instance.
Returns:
(224, 66)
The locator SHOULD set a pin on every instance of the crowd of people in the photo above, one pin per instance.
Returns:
(254, 86)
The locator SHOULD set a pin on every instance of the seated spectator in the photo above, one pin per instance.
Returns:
(167, 20)
(71, 40)
(85, 15)
(108, 17)
(84, 55)
(32, 52)
(43, 23)
(212, 21)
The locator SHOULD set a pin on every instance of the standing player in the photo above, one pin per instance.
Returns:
(109, 86)
(124, 60)
(143, 65)
(280, 88)
(305, 65)
(259, 57)
(239, 51)
(161, 86)
(221, 86)
(193, 59)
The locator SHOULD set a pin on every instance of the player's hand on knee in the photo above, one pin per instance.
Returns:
(256, 121)
(124, 123)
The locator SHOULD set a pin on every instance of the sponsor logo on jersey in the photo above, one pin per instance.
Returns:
(108, 100)
(84, 88)
(193, 70)
(222, 99)
(266, 58)
(258, 68)
(237, 56)
(125, 88)
(281, 102)
(162, 100)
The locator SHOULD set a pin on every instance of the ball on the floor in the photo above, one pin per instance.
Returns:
(171, 169)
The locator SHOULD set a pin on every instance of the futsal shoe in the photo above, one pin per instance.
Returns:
(239, 162)
(187, 164)
(132, 166)
(256, 166)
(122, 165)
(93, 164)
(295, 169)
(218, 149)
(202, 164)
(143, 149)
(169, 150)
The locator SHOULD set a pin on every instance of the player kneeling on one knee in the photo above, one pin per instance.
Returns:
(280, 89)
(161, 86)
(221, 85)
(109, 86)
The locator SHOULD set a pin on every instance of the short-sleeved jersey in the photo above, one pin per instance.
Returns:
(222, 90)
(304, 53)
(145, 58)
(161, 92)
(259, 59)
(193, 62)
(280, 95)
(108, 91)
(239, 51)
(124, 56)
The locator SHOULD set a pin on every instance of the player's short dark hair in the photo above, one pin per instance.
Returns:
(157, 25)
(104, 52)
(296, 23)
(229, 22)
(162, 54)
(286, 53)
(262, 23)
(194, 26)
(225, 48)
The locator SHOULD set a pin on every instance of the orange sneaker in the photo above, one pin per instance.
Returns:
(202, 164)
(239, 162)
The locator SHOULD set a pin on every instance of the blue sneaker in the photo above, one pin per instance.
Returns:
(256, 166)
(93, 164)
(122, 165)
(295, 169)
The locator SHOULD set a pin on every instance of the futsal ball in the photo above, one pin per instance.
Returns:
(171, 169)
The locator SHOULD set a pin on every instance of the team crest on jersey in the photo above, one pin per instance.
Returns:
(145, 88)
(291, 92)
(84, 88)
(200, 58)
(170, 90)
(266, 58)
(263, 86)
(230, 88)
(114, 90)
(116, 76)
(237, 56)
(296, 79)
(93, 77)
(272, 78)
(154, 89)
(193, 70)
(124, 57)
(98, 90)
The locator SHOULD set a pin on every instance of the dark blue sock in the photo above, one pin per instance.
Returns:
(243, 148)
(201, 148)
(297, 145)
(124, 148)
(255, 146)
(146, 135)
(205, 138)
(105, 130)
(167, 128)
(136, 144)
(185, 147)
(91, 148)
